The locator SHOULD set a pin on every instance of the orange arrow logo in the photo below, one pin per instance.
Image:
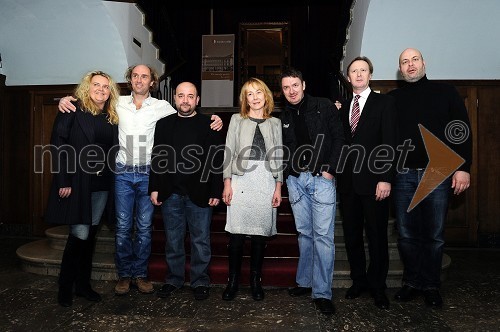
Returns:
(443, 161)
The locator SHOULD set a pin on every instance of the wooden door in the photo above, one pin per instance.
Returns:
(488, 146)
(45, 111)
(462, 223)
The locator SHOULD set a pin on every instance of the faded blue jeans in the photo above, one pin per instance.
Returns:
(178, 212)
(98, 201)
(313, 200)
(131, 195)
(421, 231)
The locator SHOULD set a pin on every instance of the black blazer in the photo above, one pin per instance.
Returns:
(71, 133)
(204, 183)
(376, 130)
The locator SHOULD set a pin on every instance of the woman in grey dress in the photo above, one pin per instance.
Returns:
(252, 182)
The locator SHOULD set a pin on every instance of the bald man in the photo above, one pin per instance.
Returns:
(421, 240)
(186, 181)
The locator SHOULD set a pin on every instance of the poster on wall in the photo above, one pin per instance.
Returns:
(217, 70)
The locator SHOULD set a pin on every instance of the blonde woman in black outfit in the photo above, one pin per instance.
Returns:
(82, 164)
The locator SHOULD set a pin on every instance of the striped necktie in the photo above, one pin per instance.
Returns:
(355, 114)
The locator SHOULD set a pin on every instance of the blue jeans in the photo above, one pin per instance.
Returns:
(178, 211)
(421, 231)
(313, 200)
(98, 203)
(131, 194)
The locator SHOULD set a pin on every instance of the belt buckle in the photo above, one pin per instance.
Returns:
(98, 173)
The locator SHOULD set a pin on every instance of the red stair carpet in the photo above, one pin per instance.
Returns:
(281, 257)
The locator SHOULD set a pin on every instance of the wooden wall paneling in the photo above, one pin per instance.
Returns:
(488, 146)
(462, 223)
(15, 195)
(45, 111)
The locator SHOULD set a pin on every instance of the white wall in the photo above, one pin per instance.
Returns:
(57, 41)
(355, 32)
(458, 38)
(128, 20)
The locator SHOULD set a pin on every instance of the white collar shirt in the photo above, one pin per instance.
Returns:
(136, 128)
(363, 96)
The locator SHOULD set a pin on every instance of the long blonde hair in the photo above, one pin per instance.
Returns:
(82, 93)
(260, 85)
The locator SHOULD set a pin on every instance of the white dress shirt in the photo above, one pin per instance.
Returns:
(363, 96)
(136, 128)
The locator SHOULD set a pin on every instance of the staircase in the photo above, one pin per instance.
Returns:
(280, 264)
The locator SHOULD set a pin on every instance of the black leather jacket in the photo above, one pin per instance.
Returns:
(325, 132)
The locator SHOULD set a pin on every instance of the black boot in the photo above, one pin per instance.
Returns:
(69, 266)
(256, 260)
(82, 284)
(232, 288)
(235, 251)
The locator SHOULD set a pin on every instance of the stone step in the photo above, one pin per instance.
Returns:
(282, 245)
(40, 257)
(105, 238)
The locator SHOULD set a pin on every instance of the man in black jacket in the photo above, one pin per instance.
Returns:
(365, 184)
(186, 180)
(439, 108)
(313, 135)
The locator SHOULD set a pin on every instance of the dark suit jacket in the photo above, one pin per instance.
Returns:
(376, 130)
(204, 183)
(71, 133)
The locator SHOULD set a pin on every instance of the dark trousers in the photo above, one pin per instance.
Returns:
(421, 231)
(363, 211)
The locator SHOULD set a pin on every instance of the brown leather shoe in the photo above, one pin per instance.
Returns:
(123, 286)
(144, 286)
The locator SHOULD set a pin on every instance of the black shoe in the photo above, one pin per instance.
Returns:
(299, 291)
(166, 290)
(231, 289)
(406, 293)
(256, 286)
(88, 293)
(325, 306)
(433, 298)
(355, 291)
(201, 292)
(380, 299)
(65, 297)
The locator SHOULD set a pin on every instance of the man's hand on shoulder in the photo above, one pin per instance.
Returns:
(216, 122)
(65, 105)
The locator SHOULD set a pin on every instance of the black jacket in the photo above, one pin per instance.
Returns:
(440, 109)
(323, 125)
(72, 133)
(204, 183)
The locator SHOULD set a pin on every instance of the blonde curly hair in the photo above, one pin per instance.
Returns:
(82, 93)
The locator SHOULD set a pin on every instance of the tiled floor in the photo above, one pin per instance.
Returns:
(28, 303)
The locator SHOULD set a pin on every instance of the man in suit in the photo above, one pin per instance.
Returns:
(365, 183)
(186, 180)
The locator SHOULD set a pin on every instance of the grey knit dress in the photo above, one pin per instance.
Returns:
(251, 211)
